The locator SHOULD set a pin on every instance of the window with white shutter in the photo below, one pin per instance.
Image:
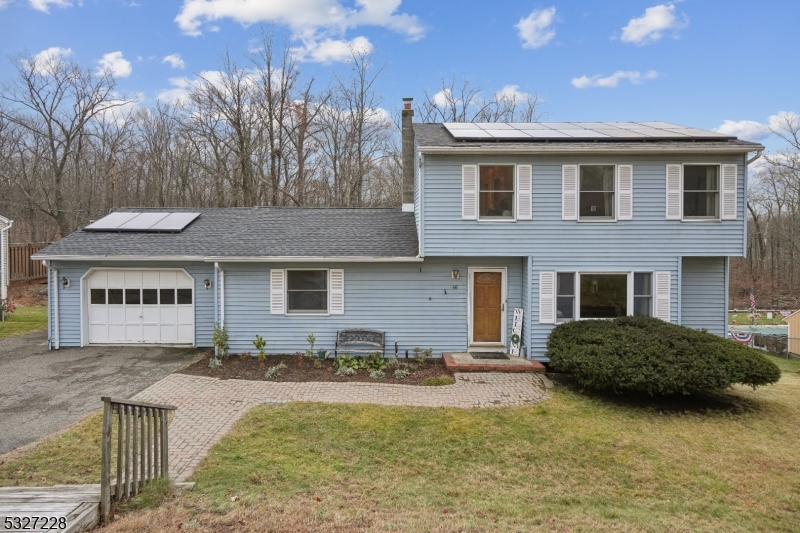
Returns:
(547, 297)
(524, 192)
(569, 192)
(662, 306)
(674, 182)
(337, 291)
(469, 192)
(277, 291)
(624, 192)
(729, 175)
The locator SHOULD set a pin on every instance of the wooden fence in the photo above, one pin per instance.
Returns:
(142, 448)
(20, 265)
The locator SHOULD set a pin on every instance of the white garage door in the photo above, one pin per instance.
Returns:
(140, 306)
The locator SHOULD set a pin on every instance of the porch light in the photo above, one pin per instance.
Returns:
(64, 282)
(207, 283)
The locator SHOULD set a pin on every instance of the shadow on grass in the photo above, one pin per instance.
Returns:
(727, 402)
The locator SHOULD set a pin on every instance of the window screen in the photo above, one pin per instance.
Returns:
(307, 291)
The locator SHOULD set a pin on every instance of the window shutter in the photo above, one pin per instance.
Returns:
(569, 192)
(277, 291)
(547, 297)
(469, 192)
(625, 192)
(662, 307)
(524, 192)
(728, 209)
(337, 291)
(674, 186)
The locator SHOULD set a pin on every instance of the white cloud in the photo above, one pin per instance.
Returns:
(4, 3)
(121, 112)
(512, 93)
(331, 50)
(442, 98)
(116, 64)
(301, 15)
(178, 91)
(649, 27)
(633, 76)
(45, 61)
(44, 5)
(752, 130)
(175, 61)
(535, 29)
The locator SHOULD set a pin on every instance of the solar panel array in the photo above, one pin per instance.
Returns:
(147, 222)
(578, 131)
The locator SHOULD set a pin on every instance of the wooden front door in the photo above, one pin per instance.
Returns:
(487, 293)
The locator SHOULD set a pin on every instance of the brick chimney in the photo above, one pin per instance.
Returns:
(408, 155)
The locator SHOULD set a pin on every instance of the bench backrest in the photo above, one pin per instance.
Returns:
(372, 337)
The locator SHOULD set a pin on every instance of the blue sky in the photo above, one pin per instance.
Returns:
(693, 62)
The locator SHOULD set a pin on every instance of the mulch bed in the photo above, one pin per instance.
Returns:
(301, 368)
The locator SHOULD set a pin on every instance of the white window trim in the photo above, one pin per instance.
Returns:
(629, 296)
(597, 220)
(286, 310)
(503, 299)
(718, 218)
(478, 193)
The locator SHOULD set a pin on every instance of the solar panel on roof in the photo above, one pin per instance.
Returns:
(143, 222)
(508, 134)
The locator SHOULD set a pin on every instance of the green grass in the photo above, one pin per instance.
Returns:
(24, 320)
(438, 381)
(786, 365)
(740, 319)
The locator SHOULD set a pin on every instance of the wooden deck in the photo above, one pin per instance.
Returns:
(79, 504)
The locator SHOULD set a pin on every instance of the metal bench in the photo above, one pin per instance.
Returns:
(360, 337)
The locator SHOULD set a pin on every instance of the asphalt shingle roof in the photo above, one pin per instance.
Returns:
(258, 232)
(436, 135)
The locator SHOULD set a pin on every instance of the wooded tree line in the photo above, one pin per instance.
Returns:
(256, 132)
(772, 267)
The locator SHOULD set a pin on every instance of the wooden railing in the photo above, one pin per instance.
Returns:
(142, 448)
(20, 265)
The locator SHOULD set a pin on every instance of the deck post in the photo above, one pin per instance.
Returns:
(105, 467)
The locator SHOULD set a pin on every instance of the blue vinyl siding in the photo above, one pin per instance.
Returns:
(648, 234)
(540, 332)
(69, 299)
(414, 303)
(703, 294)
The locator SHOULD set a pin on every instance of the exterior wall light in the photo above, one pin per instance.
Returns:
(65, 282)
(207, 283)
(455, 274)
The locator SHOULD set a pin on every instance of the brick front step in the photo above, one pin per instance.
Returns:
(491, 365)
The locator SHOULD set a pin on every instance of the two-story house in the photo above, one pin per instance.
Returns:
(565, 221)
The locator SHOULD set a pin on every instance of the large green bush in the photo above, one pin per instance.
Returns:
(647, 355)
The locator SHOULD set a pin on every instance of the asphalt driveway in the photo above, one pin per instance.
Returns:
(42, 391)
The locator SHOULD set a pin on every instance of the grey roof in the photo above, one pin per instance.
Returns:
(257, 232)
(436, 137)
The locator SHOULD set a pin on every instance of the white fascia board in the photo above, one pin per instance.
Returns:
(315, 259)
(118, 257)
(566, 148)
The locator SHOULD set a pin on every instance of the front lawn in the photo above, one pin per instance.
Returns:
(24, 320)
(576, 462)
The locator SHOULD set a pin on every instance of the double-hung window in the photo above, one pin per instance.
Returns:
(701, 191)
(496, 192)
(307, 291)
(586, 295)
(596, 192)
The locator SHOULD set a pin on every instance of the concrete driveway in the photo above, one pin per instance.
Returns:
(42, 391)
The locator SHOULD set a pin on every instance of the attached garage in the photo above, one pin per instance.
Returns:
(138, 306)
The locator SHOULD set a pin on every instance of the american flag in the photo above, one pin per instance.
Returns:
(752, 300)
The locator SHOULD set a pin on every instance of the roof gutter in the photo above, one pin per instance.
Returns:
(233, 259)
(567, 148)
(755, 157)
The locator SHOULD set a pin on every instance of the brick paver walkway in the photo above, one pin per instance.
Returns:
(208, 407)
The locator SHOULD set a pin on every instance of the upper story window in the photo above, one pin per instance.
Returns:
(701, 191)
(496, 192)
(596, 192)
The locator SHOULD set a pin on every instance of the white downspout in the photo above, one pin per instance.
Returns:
(221, 295)
(55, 303)
(4, 274)
(752, 159)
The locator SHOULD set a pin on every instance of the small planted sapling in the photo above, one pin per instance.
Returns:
(421, 355)
(312, 340)
(260, 344)
(220, 340)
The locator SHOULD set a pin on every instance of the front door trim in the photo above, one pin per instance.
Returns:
(503, 315)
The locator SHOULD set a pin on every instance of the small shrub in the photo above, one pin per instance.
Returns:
(220, 340)
(421, 355)
(346, 371)
(6, 308)
(648, 355)
(274, 371)
(377, 374)
(215, 363)
(393, 362)
(374, 361)
(312, 340)
(401, 373)
(438, 381)
(347, 361)
(317, 363)
(260, 344)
